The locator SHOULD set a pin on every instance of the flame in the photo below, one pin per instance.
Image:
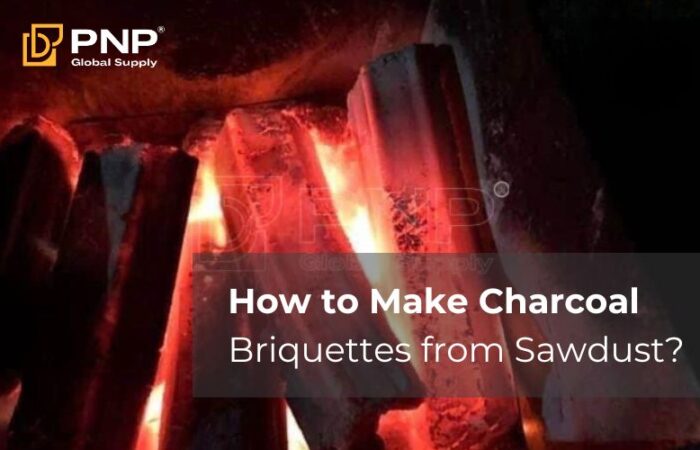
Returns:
(154, 408)
(206, 207)
(150, 424)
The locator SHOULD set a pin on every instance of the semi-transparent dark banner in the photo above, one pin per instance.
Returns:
(476, 325)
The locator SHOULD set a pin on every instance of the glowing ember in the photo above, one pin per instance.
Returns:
(340, 164)
(340, 170)
(150, 425)
(406, 429)
(343, 173)
(206, 230)
(8, 402)
(154, 407)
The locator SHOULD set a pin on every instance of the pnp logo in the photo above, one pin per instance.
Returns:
(130, 41)
(38, 50)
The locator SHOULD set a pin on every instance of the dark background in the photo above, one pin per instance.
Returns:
(629, 67)
(631, 70)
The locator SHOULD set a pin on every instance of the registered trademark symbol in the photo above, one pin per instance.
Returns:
(161, 29)
(501, 189)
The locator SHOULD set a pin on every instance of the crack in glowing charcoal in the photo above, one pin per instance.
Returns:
(352, 213)
(206, 231)
(405, 429)
(340, 164)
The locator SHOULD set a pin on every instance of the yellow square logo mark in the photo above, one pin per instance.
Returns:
(38, 50)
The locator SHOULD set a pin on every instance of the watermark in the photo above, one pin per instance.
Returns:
(38, 49)
(501, 189)
(39, 46)
(418, 219)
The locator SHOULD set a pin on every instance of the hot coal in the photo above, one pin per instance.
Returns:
(87, 382)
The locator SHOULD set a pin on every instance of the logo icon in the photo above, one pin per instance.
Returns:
(38, 50)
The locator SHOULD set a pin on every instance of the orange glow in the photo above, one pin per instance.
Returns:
(339, 161)
(341, 170)
(341, 167)
(206, 230)
(402, 430)
(150, 424)
(8, 403)
(154, 408)
(206, 206)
